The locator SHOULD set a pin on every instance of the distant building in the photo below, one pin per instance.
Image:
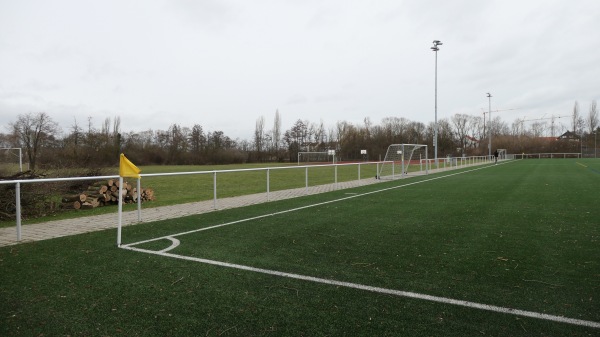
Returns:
(571, 136)
(471, 142)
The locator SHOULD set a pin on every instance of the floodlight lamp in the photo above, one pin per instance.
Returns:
(489, 95)
(435, 48)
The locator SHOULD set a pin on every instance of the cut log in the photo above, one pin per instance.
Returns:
(87, 205)
(92, 200)
(70, 205)
(91, 193)
(70, 198)
(100, 183)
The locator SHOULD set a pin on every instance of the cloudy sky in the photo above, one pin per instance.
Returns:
(224, 63)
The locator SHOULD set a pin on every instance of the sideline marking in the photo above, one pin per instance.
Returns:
(578, 163)
(387, 291)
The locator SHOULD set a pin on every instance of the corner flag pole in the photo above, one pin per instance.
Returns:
(126, 169)
(120, 211)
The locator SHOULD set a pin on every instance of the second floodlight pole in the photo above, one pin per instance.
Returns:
(435, 48)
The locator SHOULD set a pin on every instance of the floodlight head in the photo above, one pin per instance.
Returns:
(437, 42)
(489, 95)
(435, 48)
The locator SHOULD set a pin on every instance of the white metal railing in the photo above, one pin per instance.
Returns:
(458, 162)
(18, 183)
(214, 173)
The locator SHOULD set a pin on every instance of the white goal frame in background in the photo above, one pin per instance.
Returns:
(20, 155)
(318, 155)
(501, 154)
(398, 159)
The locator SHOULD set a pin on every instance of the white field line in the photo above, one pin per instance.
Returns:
(301, 208)
(379, 290)
(174, 244)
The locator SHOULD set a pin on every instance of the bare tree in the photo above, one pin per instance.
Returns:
(33, 131)
(460, 122)
(277, 132)
(538, 128)
(592, 119)
(575, 123)
(320, 134)
(259, 136)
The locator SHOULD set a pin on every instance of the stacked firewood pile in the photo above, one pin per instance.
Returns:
(104, 193)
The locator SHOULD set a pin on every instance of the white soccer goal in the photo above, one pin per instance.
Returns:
(404, 159)
(313, 157)
(12, 156)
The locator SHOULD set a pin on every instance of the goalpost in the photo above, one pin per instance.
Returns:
(404, 159)
(9, 157)
(313, 157)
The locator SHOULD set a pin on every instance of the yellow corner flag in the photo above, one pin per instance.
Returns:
(127, 169)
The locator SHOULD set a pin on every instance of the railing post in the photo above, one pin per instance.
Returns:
(139, 198)
(215, 190)
(306, 179)
(18, 209)
(359, 172)
(335, 174)
(268, 187)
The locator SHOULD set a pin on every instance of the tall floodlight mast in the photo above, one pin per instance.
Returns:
(489, 96)
(435, 48)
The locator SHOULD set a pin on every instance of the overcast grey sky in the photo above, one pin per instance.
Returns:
(222, 64)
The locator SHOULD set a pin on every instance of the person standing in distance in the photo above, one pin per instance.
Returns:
(496, 157)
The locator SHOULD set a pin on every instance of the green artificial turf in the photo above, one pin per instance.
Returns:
(521, 235)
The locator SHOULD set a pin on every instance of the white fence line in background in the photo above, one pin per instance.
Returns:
(546, 155)
(449, 163)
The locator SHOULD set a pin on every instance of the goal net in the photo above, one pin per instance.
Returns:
(404, 159)
(313, 157)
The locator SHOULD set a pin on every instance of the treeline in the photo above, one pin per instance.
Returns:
(45, 143)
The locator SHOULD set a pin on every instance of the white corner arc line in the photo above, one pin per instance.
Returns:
(399, 293)
(174, 244)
